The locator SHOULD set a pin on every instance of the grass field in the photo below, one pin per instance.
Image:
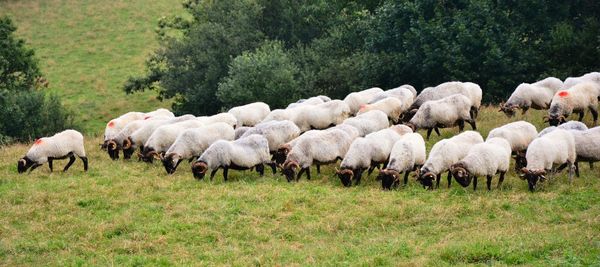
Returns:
(132, 213)
(88, 49)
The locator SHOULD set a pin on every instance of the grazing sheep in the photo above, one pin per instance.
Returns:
(587, 146)
(250, 114)
(518, 134)
(369, 122)
(163, 137)
(239, 131)
(445, 153)
(66, 144)
(368, 152)
(484, 159)
(468, 89)
(277, 133)
(320, 147)
(588, 77)
(308, 117)
(192, 142)
(114, 145)
(575, 99)
(391, 106)
(570, 125)
(242, 154)
(356, 99)
(408, 154)
(405, 93)
(315, 100)
(114, 126)
(221, 117)
(556, 147)
(446, 112)
(537, 96)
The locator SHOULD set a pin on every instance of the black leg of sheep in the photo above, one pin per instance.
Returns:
(501, 179)
(50, 159)
(85, 163)
(437, 180)
(474, 183)
(71, 160)
(449, 177)
(406, 177)
(489, 182)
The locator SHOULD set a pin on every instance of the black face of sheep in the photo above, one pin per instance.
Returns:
(532, 177)
(148, 155)
(388, 178)
(113, 149)
(345, 176)
(128, 148)
(169, 163)
(23, 164)
(199, 169)
(289, 170)
(520, 161)
(461, 175)
(509, 110)
(555, 120)
(280, 155)
(426, 179)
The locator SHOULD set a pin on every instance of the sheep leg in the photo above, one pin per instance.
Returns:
(581, 115)
(318, 168)
(85, 163)
(577, 168)
(273, 166)
(358, 175)
(308, 173)
(50, 159)
(429, 133)
(302, 170)
(501, 179)
(489, 182)
(474, 183)
(213, 173)
(71, 160)
(561, 167)
(35, 165)
(372, 168)
(473, 124)
(449, 178)
(190, 159)
(260, 168)
(594, 112)
(461, 125)
(571, 169)
(437, 131)
(437, 180)
(225, 171)
(591, 165)
(406, 177)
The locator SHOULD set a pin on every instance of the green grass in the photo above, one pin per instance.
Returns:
(88, 49)
(132, 213)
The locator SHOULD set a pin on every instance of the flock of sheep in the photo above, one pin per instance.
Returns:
(357, 131)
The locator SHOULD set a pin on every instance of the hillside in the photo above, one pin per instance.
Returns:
(87, 49)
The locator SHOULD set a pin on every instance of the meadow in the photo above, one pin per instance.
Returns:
(132, 213)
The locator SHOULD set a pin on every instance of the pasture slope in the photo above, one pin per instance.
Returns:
(88, 49)
(132, 213)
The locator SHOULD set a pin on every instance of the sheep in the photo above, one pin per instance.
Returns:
(484, 159)
(192, 142)
(518, 134)
(221, 117)
(356, 99)
(242, 154)
(445, 153)
(446, 112)
(308, 117)
(575, 99)
(588, 77)
(114, 126)
(406, 93)
(315, 100)
(239, 131)
(277, 133)
(66, 144)
(408, 154)
(537, 95)
(250, 114)
(369, 122)
(320, 147)
(163, 137)
(114, 145)
(570, 125)
(139, 137)
(556, 147)
(587, 146)
(468, 89)
(393, 108)
(368, 152)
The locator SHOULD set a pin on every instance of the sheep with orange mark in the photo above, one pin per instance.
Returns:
(537, 95)
(391, 106)
(576, 99)
(356, 99)
(114, 126)
(66, 144)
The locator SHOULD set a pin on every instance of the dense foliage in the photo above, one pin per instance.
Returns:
(25, 111)
(334, 47)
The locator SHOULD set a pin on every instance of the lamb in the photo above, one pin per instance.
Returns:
(518, 134)
(192, 142)
(277, 133)
(242, 154)
(575, 99)
(321, 147)
(537, 95)
(369, 122)
(556, 147)
(570, 125)
(405, 93)
(139, 137)
(391, 106)
(250, 114)
(468, 89)
(221, 117)
(163, 137)
(315, 100)
(114, 126)
(308, 117)
(484, 159)
(408, 154)
(368, 152)
(66, 144)
(356, 99)
(445, 153)
(446, 112)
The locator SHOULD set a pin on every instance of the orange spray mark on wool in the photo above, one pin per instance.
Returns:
(38, 142)
(563, 93)
(111, 124)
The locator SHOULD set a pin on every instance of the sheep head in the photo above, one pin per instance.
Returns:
(532, 177)
(170, 162)
(345, 176)
(281, 154)
(388, 178)
(461, 174)
(520, 160)
(23, 164)
(113, 149)
(555, 120)
(508, 109)
(412, 126)
(199, 169)
(289, 170)
(426, 178)
(127, 148)
(149, 154)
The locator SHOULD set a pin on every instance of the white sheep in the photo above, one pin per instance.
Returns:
(556, 147)
(277, 133)
(66, 144)
(408, 154)
(570, 125)
(163, 137)
(368, 152)
(588, 77)
(575, 99)
(320, 147)
(356, 99)
(114, 126)
(369, 122)
(239, 131)
(445, 153)
(587, 146)
(446, 112)
(139, 137)
(192, 142)
(308, 117)
(537, 96)
(519, 135)
(250, 114)
(405, 93)
(221, 117)
(242, 154)
(484, 159)
(315, 100)
(468, 89)
(391, 106)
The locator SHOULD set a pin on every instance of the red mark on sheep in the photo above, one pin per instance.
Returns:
(37, 141)
(111, 124)
(362, 107)
(563, 93)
